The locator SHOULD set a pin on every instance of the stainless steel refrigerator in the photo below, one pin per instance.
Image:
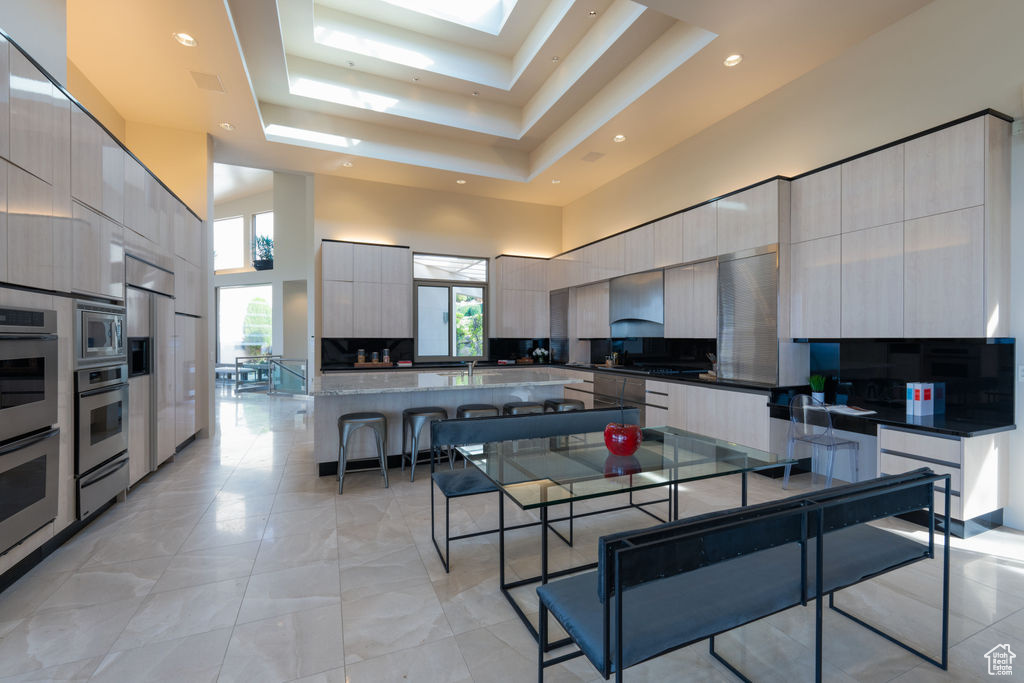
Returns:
(150, 323)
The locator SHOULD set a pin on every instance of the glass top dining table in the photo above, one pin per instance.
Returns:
(536, 473)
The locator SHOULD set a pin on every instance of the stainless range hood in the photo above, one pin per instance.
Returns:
(637, 305)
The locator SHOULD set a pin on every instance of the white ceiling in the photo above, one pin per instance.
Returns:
(371, 89)
(232, 182)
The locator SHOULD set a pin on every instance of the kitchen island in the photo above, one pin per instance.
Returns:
(392, 392)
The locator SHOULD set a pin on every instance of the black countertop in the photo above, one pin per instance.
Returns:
(948, 425)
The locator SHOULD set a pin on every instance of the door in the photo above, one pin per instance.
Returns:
(163, 378)
(102, 426)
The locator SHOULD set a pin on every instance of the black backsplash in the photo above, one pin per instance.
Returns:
(874, 373)
(336, 354)
(655, 352)
(506, 348)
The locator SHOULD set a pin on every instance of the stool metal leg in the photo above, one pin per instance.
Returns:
(341, 457)
(382, 454)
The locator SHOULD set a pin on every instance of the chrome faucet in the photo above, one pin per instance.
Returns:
(471, 364)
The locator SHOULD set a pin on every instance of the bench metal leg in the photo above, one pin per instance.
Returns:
(736, 672)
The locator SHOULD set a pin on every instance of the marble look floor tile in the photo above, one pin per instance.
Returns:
(59, 636)
(192, 659)
(236, 505)
(400, 568)
(30, 591)
(208, 566)
(472, 601)
(106, 583)
(436, 662)
(966, 660)
(303, 521)
(404, 617)
(211, 534)
(183, 612)
(507, 652)
(286, 502)
(72, 672)
(286, 647)
(139, 545)
(290, 590)
(330, 676)
(281, 552)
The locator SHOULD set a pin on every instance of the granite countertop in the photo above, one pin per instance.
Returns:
(683, 378)
(354, 383)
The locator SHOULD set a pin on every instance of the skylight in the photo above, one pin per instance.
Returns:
(483, 15)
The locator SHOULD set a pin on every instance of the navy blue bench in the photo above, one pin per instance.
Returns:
(662, 588)
(475, 430)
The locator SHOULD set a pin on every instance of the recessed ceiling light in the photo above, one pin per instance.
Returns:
(476, 93)
(619, 138)
(227, 126)
(347, 164)
(733, 60)
(185, 39)
(416, 78)
(555, 181)
(555, 58)
(350, 63)
(592, 12)
(460, 181)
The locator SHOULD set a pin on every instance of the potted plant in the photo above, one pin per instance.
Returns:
(818, 388)
(540, 355)
(263, 253)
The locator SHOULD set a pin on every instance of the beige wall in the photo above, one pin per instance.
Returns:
(949, 59)
(428, 220)
(179, 158)
(40, 27)
(93, 100)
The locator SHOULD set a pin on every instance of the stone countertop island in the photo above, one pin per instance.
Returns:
(392, 392)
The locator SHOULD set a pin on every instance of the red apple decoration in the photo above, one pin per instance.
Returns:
(622, 439)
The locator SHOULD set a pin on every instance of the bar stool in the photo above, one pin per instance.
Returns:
(522, 408)
(413, 421)
(349, 423)
(476, 410)
(563, 405)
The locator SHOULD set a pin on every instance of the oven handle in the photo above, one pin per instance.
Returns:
(101, 474)
(28, 337)
(28, 441)
(103, 390)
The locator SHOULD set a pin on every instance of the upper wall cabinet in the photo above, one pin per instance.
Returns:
(691, 301)
(32, 115)
(97, 167)
(520, 287)
(188, 234)
(872, 282)
(873, 190)
(336, 261)
(63, 247)
(3, 219)
(815, 205)
(668, 241)
(700, 232)
(815, 288)
(592, 311)
(638, 254)
(98, 263)
(29, 249)
(753, 218)
(5, 100)
(945, 170)
(137, 216)
(395, 265)
(188, 287)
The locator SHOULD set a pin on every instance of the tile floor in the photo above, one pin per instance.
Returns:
(235, 563)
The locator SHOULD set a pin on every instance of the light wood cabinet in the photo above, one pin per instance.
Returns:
(668, 241)
(3, 210)
(138, 428)
(945, 170)
(113, 177)
(185, 377)
(63, 242)
(751, 218)
(816, 209)
(816, 271)
(873, 190)
(188, 233)
(188, 287)
(735, 416)
(592, 311)
(700, 232)
(31, 117)
(872, 282)
(366, 313)
(944, 266)
(336, 261)
(691, 301)
(396, 266)
(638, 252)
(86, 159)
(396, 310)
(365, 263)
(520, 297)
(136, 206)
(98, 263)
(30, 247)
(337, 309)
(5, 101)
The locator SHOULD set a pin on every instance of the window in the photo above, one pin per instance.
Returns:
(229, 243)
(244, 321)
(263, 236)
(451, 312)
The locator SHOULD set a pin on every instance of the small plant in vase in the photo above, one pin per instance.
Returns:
(263, 253)
(540, 355)
(817, 383)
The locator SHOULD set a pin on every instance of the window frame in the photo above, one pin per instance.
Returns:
(252, 234)
(248, 241)
(451, 285)
(216, 320)
(246, 267)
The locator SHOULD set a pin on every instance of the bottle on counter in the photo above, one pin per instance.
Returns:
(361, 355)
(387, 356)
(375, 358)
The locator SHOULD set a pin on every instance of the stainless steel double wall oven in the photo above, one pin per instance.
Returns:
(29, 439)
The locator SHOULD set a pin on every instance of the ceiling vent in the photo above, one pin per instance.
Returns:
(593, 156)
(209, 82)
